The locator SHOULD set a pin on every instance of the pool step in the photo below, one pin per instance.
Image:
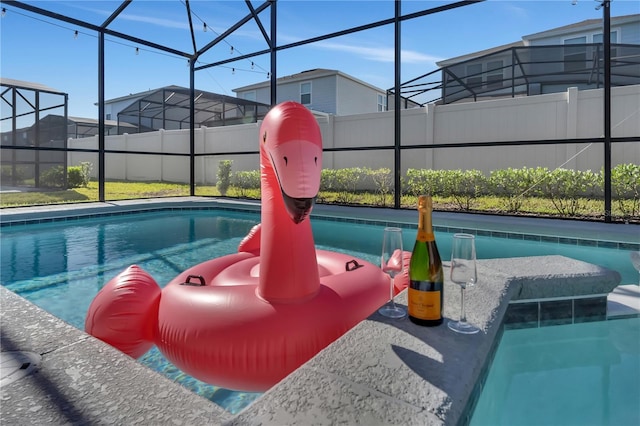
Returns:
(624, 301)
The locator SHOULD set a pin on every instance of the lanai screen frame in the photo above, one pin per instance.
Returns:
(273, 48)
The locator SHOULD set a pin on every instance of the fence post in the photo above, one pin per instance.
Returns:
(329, 141)
(201, 163)
(430, 134)
(572, 125)
(162, 162)
(125, 144)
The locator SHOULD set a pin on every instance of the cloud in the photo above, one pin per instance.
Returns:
(165, 23)
(378, 54)
(517, 11)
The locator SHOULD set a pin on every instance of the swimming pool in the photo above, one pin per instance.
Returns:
(577, 374)
(60, 266)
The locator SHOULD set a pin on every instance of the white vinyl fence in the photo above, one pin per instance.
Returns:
(571, 114)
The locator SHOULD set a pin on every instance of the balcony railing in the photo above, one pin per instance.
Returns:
(525, 71)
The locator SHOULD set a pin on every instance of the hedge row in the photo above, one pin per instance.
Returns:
(567, 189)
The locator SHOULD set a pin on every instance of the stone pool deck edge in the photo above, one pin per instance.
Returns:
(381, 372)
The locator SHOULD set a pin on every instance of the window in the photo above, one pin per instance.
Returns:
(575, 57)
(494, 74)
(250, 96)
(474, 75)
(382, 102)
(597, 38)
(108, 117)
(305, 93)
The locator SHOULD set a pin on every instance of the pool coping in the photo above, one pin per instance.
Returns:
(380, 372)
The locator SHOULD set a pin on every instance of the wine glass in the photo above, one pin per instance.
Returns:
(391, 264)
(635, 260)
(463, 273)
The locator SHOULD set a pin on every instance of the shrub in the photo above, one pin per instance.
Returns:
(463, 186)
(348, 181)
(86, 172)
(327, 180)
(246, 180)
(424, 182)
(625, 188)
(224, 176)
(7, 174)
(515, 184)
(383, 179)
(568, 189)
(343, 181)
(53, 177)
(78, 176)
(74, 177)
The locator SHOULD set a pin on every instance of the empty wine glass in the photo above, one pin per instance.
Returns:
(391, 264)
(463, 273)
(635, 260)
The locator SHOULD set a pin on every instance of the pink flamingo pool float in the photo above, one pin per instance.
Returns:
(246, 320)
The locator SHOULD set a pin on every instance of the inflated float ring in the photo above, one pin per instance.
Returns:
(245, 321)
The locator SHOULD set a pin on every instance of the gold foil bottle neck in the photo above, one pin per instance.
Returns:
(424, 202)
(425, 226)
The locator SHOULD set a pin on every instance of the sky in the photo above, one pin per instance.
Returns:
(42, 50)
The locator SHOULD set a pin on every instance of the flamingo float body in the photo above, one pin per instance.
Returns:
(245, 321)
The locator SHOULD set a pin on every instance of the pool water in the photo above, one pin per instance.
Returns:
(61, 266)
(578, 374)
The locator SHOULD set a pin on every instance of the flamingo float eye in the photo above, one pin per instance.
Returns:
(286, 161)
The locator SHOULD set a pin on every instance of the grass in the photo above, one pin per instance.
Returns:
(591, 209)
(113, 191)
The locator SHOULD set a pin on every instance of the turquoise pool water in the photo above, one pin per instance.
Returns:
(578, 374)
(61, 266)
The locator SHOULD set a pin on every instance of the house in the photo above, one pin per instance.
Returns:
(546, 62)
(323, 90)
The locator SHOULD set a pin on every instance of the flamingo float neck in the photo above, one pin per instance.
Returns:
(290, 168)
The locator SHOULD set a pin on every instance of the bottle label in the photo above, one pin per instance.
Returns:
(424, 305)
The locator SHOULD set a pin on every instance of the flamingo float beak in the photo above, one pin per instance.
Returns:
(298, 208)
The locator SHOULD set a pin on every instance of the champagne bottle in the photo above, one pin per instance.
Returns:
(425, 292)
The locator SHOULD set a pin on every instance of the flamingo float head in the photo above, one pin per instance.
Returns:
(291, 145)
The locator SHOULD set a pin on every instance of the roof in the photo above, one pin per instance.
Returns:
(582, 25)
(477, 54)
(28, 85)
(172, 104)
(94, 122)
(181, 90)
(129, 96)
(307, 75)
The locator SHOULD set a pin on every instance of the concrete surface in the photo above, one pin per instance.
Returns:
(81, 380)
(624, 301)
